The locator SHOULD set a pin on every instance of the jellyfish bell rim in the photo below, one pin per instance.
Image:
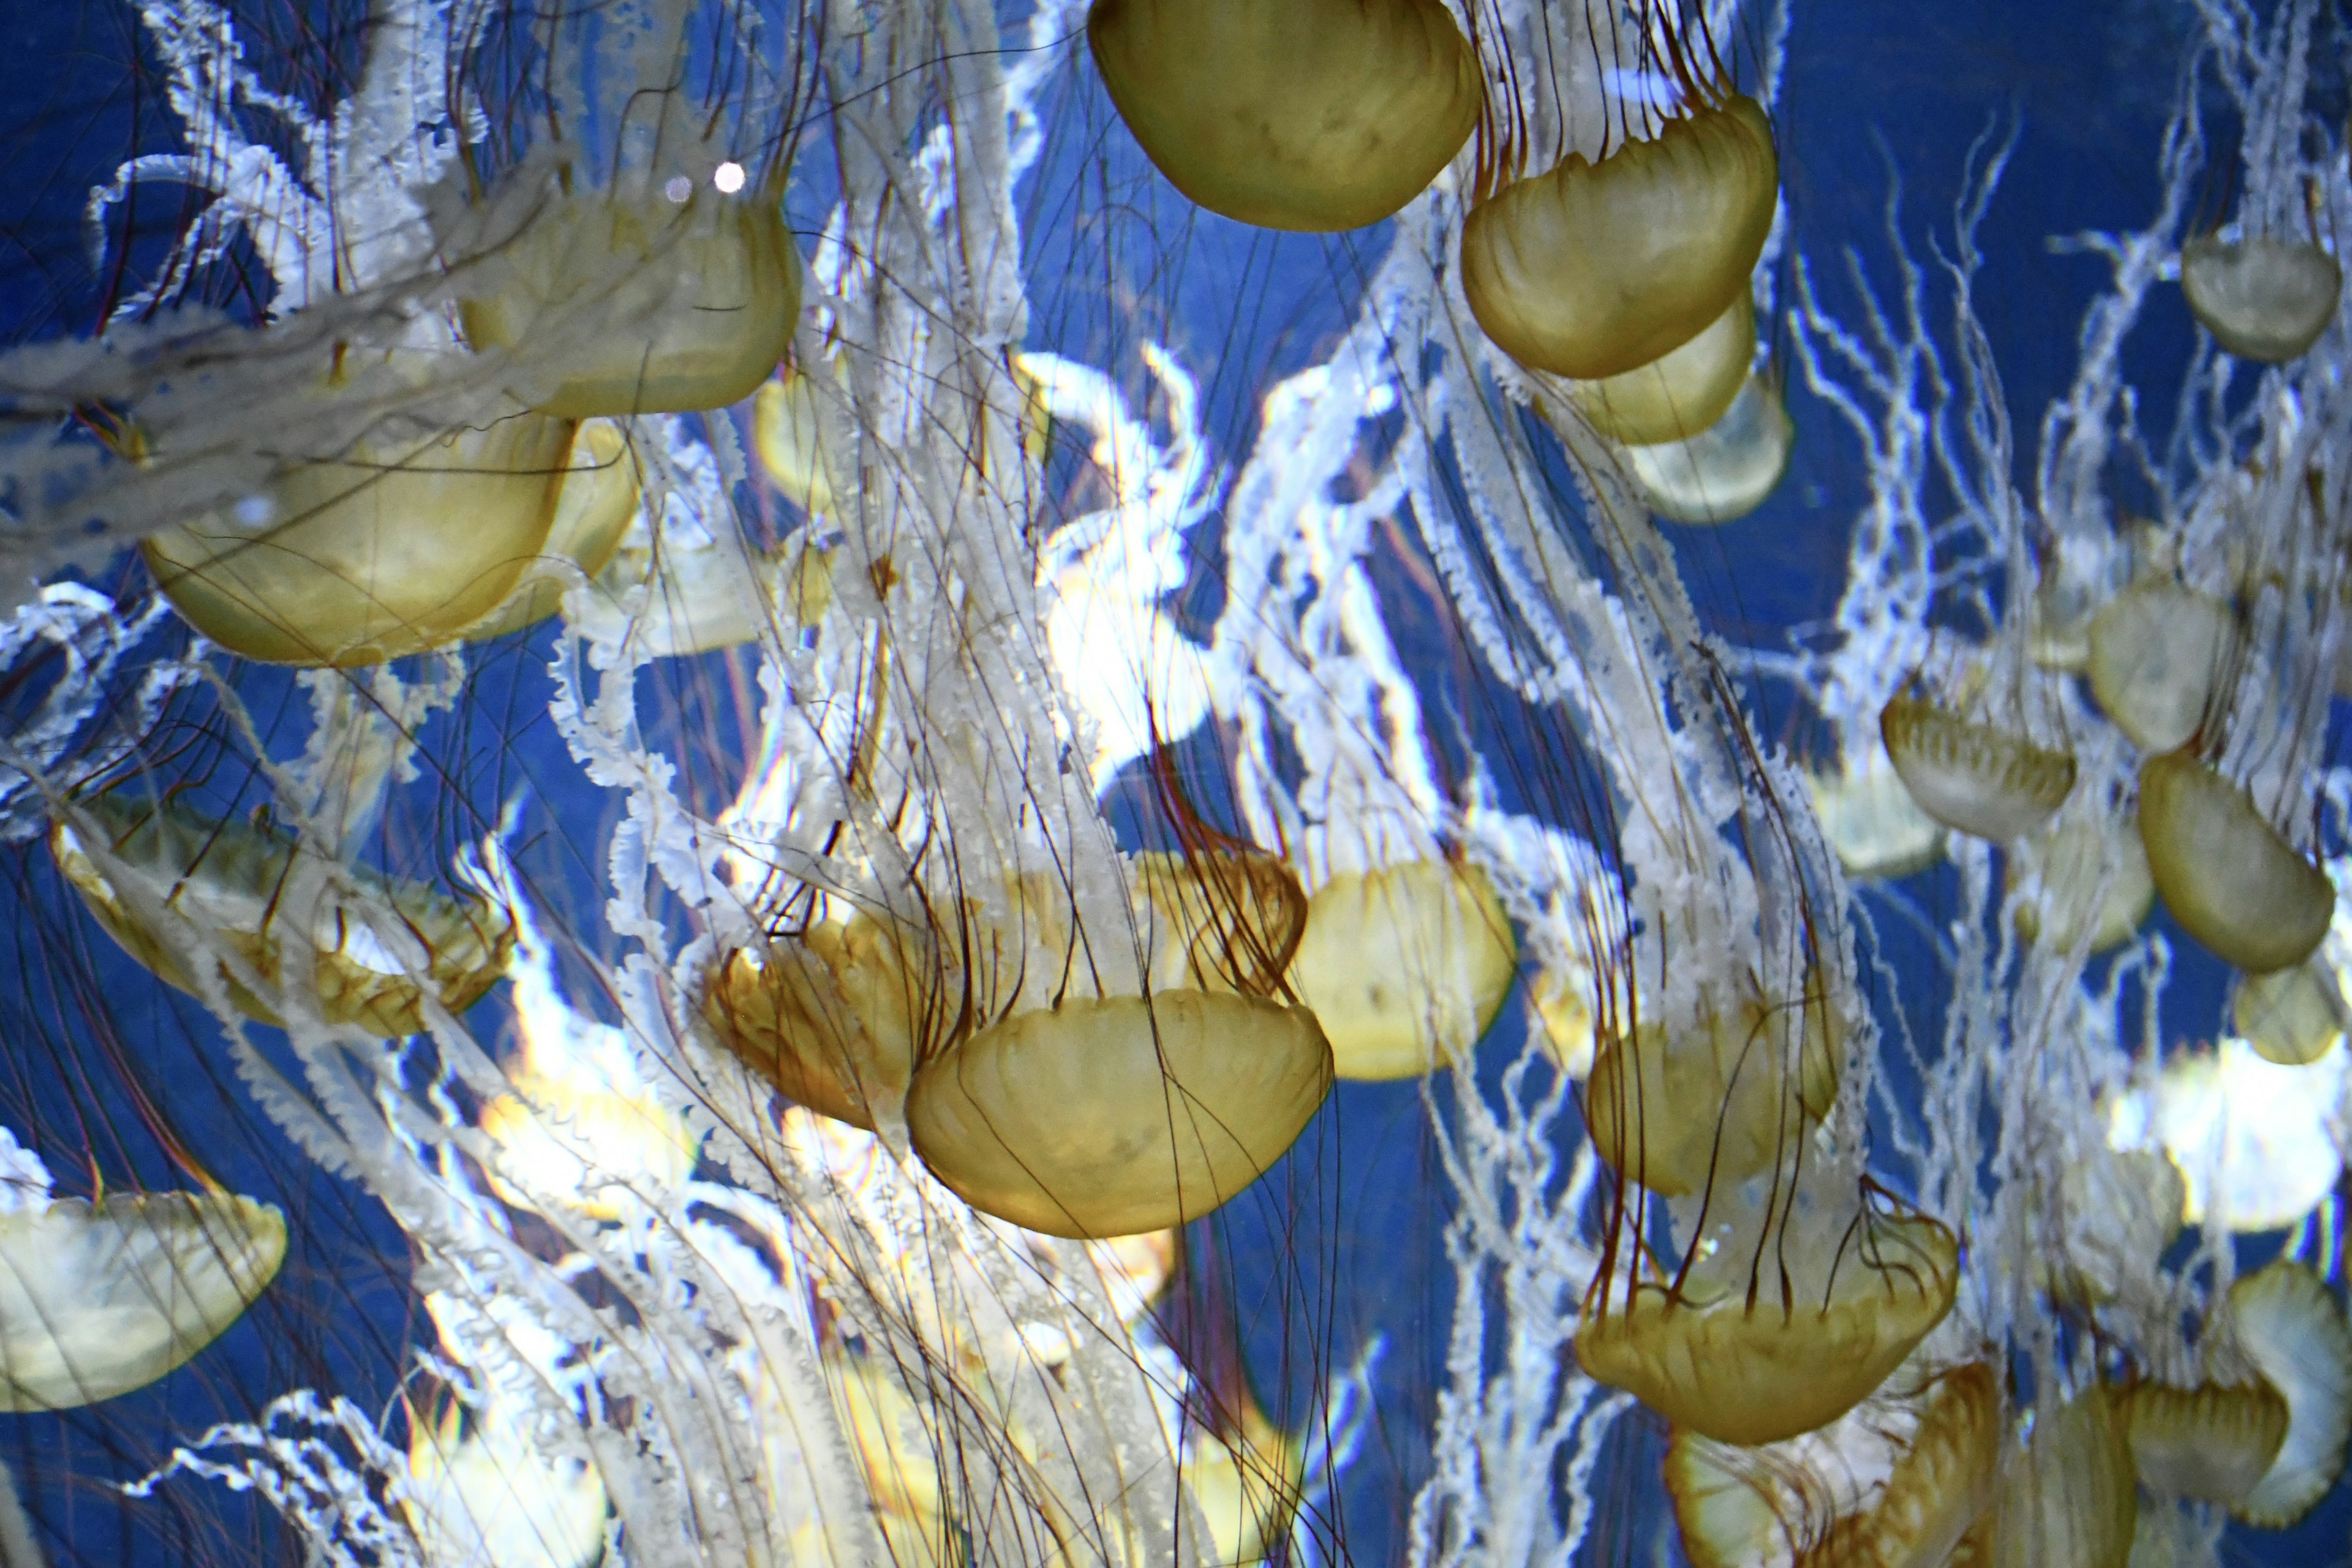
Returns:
(1974, 777)
(2224, 873)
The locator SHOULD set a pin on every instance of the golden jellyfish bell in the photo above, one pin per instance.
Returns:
(784, 435)
(1113, 1115)
(392, 547)
(2291, 1016)
(2159, 652)
(2292, 1328)
(1842, 1300)
(1225, 919)
(262, 896)
(837, 1016)
(1313, 115)
(595, 504)
(2090, 882)
(674, 301)
(96, 1300)
(494, 1495)
(2212, 1443)
(1725, 471)
(1893, 1483)
(2065, 1495)
(2263, 299)
(1404, 966)
(1975, 778)
(1681, 394)
(2224, 872)
(1593, 270)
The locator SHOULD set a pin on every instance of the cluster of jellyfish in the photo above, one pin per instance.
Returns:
(802, 1068)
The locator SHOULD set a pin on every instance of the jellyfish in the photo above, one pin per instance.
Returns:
(1319, 117)
(1725, 471)
(2224, 871)
(1975, 777)
(595, 502)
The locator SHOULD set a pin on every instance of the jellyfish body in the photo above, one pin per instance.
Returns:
(2224, 872)
(1313, 115)
(2291, 1016)
(1404, 966)
(2092, 876)
(99, 1299)
(392, 547)
(2262, 299)
(2157, 653)
(1725, 471)
(784, 435)
(266, 898)
(1873, 827)
(492, 1494)
(2292, 1329)
(1594, 270)
(1683, 393)
(2065, 1495)
(2212, 1443)
(661, 306)
(595, 503)
(1977, 778)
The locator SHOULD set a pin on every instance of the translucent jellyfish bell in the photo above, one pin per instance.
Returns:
(2065, 1495)
(1976, 777)
(96, 1300)
(2292, 1328)
(1873, 827)
(2157, 652)
(2291, 1016)
(2090, 877)
(492, 1494)
(1405, 965)
(390, 547)
(784, 435)
(594, 505)
(2224, 872)
(1312, 115)
(1894, 1481)
(1682, 394)
(1725, 471)
(631, 301)
(2263, 299)
(2252, 1141)
(2212, 1443)
(1593, 270)
(264, 897)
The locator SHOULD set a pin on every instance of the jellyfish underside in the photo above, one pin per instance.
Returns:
(2156, 652)
(1312, 115)
(2291, 1328)
(595, 502)
(263, 896)
(97, 1300)
(1594, 270)
(1975, 778)
(2212, 1443)
(1681, 394)
(2262, 299)
(1800, 1312)
(2064, 1496)
(1404, 966)
(390, 548)
(2291, 1016)
(2224, 872)
(1725, 471)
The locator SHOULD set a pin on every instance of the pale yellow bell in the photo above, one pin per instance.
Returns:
(2212, 1443)
(594, 505)
(2160, 654)
(2291, 1016)
(2263, 299)
(1682, 394)
(1975, 777)
(2292, 1327)
(1727, 470)
(2224, 872)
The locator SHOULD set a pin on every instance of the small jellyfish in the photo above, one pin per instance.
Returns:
(629, 300)
(393, 546)
(2064, 1495)
(596, 500)
(1405, 965)
(784, 435)
(1976, 777)
(1873, 827)
(2292, 1328)
(2161, 652)
(2212, 1443)
(1681, 394)
(2262, 299)
(1725, 471)
(97, 1299)
(1312, 115)
(1593, 270)
(2291, 1016)
(2252, 1140)
(492, 1494)
(2225, 873)
(265, 898)
(1247, 1482)
(2090, 879)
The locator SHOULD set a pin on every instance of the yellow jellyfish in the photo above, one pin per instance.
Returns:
(1725, 471)
(1593, 270)
(1680, 395)
(675, 295)
(1405, 966)
(99, 1299)
(784, 435)
(2212, 1443)
(485, 1492)
(1873, 827)
(2064, 1495)
(2115, 1211)
(2252, 1140)
(2224, 872)
(398, 544)
(2265, 299)
(1796, 1310)
(1974, 777)
(271, 904)
(2292, 1328)
(595, 504)
(1294, 115)
(557, 1134)
(2291, 1016)
(1717, 1102)
(1895, 1482)
(2089, 882)
(2160, 654)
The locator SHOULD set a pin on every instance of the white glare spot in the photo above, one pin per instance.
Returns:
(255, 510)
(678, 189)
(729, 178)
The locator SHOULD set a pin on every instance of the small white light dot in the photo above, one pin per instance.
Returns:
(729, 178)
(255, 510)
(678, 189)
